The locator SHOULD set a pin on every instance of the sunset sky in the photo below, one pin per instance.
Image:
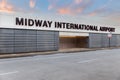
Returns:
(97, 8)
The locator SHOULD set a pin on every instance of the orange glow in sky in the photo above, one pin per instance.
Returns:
(5, 7)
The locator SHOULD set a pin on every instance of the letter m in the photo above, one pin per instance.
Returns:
(19, 21)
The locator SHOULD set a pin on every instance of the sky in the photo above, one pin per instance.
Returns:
(109, 9)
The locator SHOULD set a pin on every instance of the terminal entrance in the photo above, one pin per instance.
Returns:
(67, 42)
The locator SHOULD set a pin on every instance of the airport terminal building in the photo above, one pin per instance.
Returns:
(32, 33)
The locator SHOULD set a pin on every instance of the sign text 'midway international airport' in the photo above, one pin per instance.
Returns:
(60, 25)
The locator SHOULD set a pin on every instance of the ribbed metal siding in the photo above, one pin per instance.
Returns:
(6, 41)
(102, 40)
(95, 40)
(15, 41)
(113, 40)
(46, 40)
(118, 40)
(105, 40)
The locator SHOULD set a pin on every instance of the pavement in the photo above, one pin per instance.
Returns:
(73, 50)
(91, 65)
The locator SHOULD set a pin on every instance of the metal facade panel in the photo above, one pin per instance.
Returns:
(95, 40)
(56, 37)
(113, 41)
(6, 41)
(18, 40)
(18, 49)
(7, 31)
(118, 40)
(105, 40)
(7, 50)
(46, 40)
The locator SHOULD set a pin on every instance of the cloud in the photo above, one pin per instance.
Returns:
(64, 11)
(72, 7)
(5, 7)
(32, 3)
(78, 1)
(50, 7)
(92, 14)
(69, 11)
(103, 10)
(114, 16)
(100, 12)
(52, 4)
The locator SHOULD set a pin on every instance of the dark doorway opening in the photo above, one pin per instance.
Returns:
(67, 42)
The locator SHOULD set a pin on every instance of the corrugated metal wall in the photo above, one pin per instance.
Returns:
(118, 40)
(102, 40)
(15, 41)
(113, 41)
(95, 40)
(105, 40)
